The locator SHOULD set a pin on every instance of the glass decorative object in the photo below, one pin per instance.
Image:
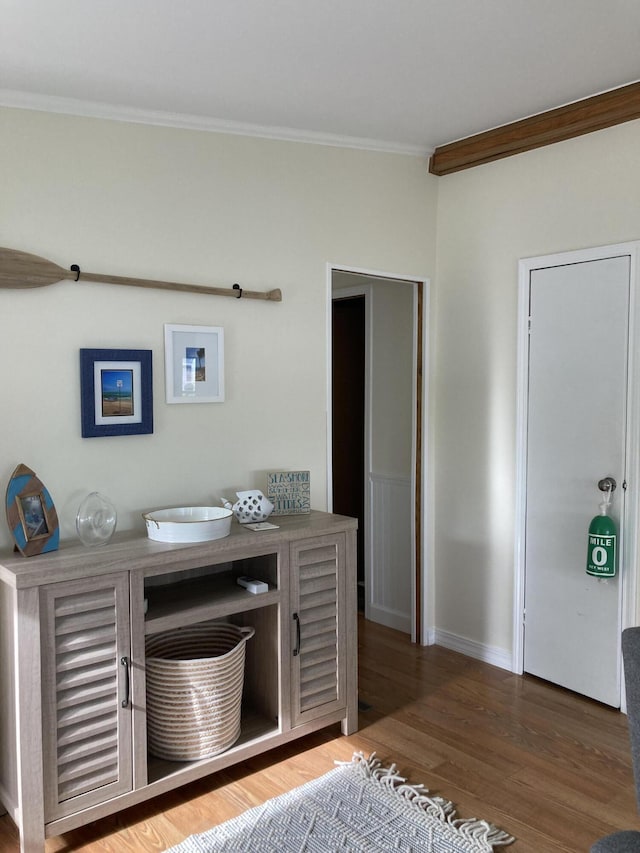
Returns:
(96, 520)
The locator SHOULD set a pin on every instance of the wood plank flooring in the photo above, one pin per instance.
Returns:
(550, 767)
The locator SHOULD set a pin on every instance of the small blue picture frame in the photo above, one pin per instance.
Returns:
(116, 390)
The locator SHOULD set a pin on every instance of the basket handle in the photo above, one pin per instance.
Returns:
(247, 633)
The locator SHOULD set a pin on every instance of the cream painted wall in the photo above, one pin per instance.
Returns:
(392, 366)
(576, 194)
(189, 206)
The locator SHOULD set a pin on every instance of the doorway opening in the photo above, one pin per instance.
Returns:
(348, 360)
(377, 460)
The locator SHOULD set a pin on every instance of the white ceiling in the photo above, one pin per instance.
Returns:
(404, 75)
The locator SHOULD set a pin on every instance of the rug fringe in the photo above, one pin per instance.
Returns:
(479, 831)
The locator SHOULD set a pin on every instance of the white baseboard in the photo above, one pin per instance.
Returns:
(389, 618)
(489, 654)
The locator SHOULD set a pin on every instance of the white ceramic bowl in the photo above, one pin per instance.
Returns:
(188, 523)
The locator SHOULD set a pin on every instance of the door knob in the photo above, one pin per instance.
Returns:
(608, 484)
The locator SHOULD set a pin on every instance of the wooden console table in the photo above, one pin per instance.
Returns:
(73, 739)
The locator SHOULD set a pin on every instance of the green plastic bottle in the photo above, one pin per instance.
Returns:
(602, 550)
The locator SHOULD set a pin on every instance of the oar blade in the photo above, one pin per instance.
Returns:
(21, 269)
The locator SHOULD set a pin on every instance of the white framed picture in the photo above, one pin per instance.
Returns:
(194, 364)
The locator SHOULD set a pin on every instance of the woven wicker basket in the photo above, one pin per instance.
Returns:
(195, 677)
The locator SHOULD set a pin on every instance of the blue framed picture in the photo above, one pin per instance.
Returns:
(116, 392)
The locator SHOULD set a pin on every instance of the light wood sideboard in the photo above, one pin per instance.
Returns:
(73, 737)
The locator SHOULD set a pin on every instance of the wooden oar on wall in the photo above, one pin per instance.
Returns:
(21, 270)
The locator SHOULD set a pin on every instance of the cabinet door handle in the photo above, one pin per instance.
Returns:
(296, 619)
(125, 663)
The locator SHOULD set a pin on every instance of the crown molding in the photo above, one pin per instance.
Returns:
(596, 113)
(118, 112)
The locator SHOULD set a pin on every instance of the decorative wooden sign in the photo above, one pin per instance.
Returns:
(31, 514)
(289, 492)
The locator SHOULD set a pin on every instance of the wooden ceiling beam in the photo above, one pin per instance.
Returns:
(595, 113)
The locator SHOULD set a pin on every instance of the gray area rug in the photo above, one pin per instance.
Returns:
(359, 806)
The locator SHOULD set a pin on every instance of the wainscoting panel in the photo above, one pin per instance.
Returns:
(389, 589)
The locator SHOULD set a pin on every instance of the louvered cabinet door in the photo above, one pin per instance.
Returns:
(318, 627)
(86, 728)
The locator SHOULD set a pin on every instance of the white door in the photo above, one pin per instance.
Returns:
(578, 343)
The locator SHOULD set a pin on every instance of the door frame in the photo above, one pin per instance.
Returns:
(421, 631)
(628, 568)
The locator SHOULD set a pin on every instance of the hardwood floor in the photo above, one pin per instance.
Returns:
(550, 767)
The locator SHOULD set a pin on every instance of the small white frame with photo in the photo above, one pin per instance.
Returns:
(194, 364)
